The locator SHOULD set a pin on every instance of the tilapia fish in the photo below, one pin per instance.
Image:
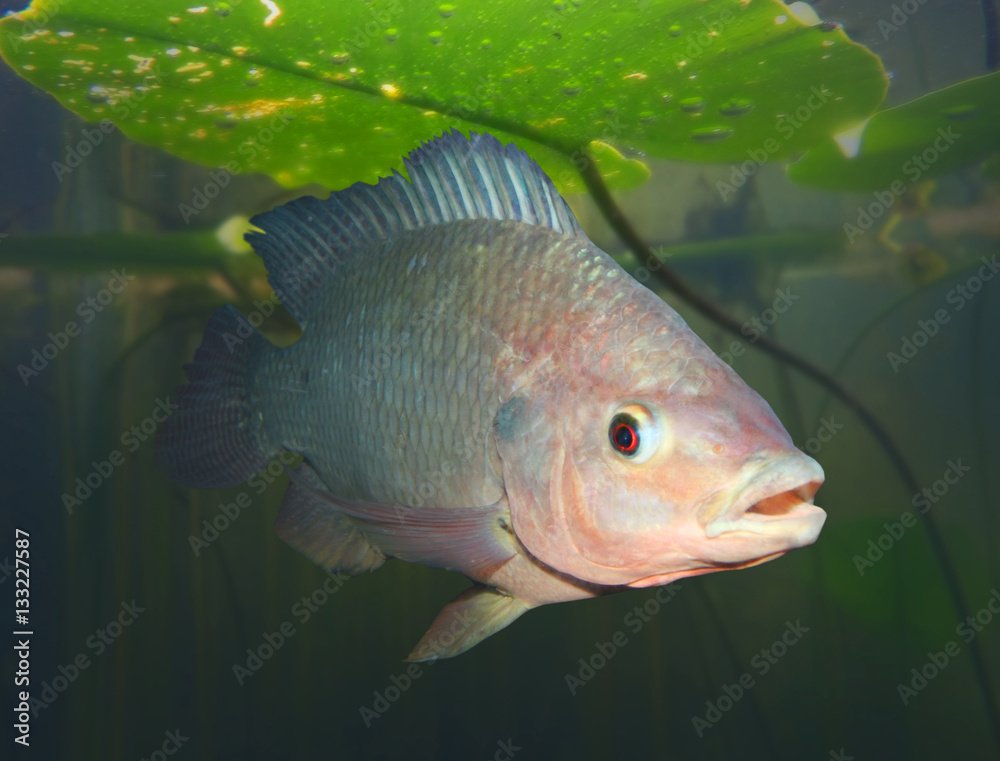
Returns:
(478, 387)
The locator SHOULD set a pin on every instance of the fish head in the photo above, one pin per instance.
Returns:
(644, 476)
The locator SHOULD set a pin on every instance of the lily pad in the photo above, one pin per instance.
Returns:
(916, 141)
(335, 93)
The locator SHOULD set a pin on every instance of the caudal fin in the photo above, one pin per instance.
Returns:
(209, 443)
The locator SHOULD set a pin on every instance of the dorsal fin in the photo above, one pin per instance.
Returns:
(451, 177)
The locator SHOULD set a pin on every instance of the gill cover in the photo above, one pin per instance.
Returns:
(548, 501)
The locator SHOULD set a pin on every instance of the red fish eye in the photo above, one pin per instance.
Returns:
(624, 434)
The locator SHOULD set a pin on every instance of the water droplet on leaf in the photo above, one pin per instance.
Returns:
(710, 134)
(692, 105)
(736, 107)
(97, 94)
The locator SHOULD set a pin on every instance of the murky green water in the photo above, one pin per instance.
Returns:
(168, 619)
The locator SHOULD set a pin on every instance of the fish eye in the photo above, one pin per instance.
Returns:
(625, 434)
(633, 433)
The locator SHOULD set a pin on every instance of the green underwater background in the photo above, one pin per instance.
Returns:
(714, 148)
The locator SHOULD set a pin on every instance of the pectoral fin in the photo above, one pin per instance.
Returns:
(466, 621)
(354, 534)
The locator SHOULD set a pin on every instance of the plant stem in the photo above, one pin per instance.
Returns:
(93, 252)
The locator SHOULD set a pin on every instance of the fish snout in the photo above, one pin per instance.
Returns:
(775, 504)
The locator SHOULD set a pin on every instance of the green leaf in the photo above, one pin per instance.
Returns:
(916, 141)
(337, 92)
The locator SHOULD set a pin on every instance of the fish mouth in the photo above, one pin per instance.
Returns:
(776, 505)
(771, 514)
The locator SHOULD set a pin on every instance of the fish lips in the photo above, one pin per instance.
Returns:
(776, 502)
(772, 514)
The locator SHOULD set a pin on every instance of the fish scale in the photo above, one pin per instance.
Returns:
(416, 374)
(480, 388)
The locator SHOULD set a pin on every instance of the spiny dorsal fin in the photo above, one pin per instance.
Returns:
(451, 177)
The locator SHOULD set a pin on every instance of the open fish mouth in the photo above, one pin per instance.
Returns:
(769, 515)
(776, 505)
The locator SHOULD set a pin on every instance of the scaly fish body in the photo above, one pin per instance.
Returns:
(478, 387)
(404, 353)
